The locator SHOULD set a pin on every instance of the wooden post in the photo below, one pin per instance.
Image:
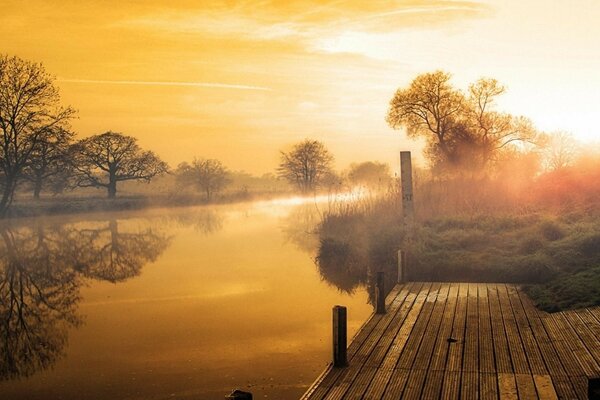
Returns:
(401, 267)
(340, 336)
(594, 388)
(408, 209)
(239, 395)
(380, 294)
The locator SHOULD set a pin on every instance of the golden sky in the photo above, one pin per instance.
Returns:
(240, 80)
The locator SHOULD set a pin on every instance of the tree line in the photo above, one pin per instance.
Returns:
(39, 150)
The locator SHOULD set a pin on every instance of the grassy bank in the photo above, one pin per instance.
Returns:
(66, 205)
(555, 253)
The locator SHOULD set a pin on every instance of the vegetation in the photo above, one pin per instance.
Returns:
(370, 174)
(209, 176)
(307, 165)
(462, 130)
(106, 159)
(30, 114)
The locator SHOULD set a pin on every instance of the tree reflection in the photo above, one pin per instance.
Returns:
(299, 227)
(204, 220)
(106, 254)
(41, 272)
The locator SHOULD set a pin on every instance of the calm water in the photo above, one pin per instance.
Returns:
(187, 304)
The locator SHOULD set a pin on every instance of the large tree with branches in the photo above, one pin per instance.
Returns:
(29, 110)
(103, 160)
(461, 130)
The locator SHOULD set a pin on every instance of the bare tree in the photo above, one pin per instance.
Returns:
(111, 157)
(209, 175)
(560, 152)
(49, 163)
(29, 108)
(306, 165)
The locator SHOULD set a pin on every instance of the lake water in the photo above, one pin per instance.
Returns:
(184, 303)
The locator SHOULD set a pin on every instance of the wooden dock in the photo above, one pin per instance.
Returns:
(466, 341)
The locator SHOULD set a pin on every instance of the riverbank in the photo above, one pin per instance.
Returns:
(556, 255)
(71, 205)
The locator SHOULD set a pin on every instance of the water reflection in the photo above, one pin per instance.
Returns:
(300, 227)
(41, 271)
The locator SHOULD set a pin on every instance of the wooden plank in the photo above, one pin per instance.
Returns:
(486, 341)
(396, 386)
(416, 379)
(386, 361)
(409, 354)
(577, 346)
(501, 352)
(359, 386)
(359, 343)
(591, 341)
(470, 362)
(433, 381)
(544, 387)
(488, 386)
(451, 385)
(525, 386)
(532, 351)
(552, 358)
(507, 387)
(515, 345)
(469, 385)
(349, 374)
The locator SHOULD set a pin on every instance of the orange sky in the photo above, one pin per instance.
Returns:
(240, 80)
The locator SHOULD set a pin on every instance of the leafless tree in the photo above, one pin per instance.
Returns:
(561, 150)
(209, 176)
(105, 159)
(29, 108)
(306, 165)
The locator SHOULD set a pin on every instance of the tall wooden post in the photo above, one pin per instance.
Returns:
(408, 209)
(401, 266)
(380, 293)
(340, 336)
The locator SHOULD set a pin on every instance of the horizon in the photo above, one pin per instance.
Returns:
(250, 79)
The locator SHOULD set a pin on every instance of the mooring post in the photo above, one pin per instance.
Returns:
(401, 267)
(380, 293)
(408, 209)
(239, 395)
(340, 336)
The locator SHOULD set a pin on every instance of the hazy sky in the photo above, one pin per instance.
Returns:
(240, 80)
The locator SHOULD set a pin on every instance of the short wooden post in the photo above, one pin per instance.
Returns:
(239, 395)
(594, 388)
(380, 293)
(340, 336)
(408, 209)
(401, 267)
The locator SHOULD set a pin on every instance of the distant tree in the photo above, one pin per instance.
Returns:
(49, 164)
(29, 109)
(306, 165)
(207, 175)
(560, 151)
(460, 130)
(105, 159)
(370, 174)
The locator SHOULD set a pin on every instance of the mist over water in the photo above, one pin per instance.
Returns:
(182, 303)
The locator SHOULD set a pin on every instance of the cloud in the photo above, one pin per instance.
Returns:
(166, 83)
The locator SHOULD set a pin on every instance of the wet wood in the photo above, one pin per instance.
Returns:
(469, 341)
